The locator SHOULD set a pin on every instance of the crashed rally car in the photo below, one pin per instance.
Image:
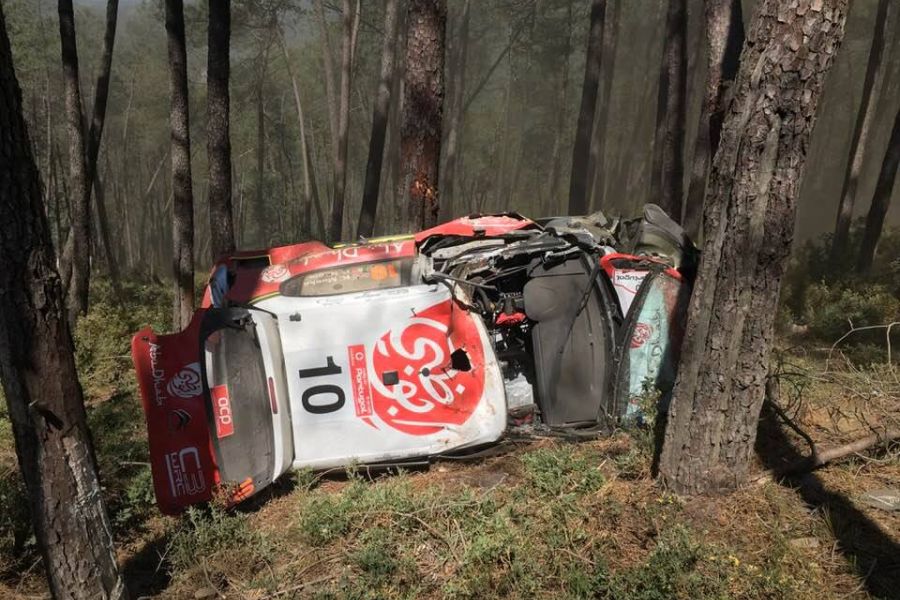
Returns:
(412, 347)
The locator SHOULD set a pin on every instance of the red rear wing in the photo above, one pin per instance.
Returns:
(171, 384)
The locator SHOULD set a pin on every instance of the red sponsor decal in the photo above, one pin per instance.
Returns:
(359, 379)
(222, 409)
(642, 333)
(428, 395)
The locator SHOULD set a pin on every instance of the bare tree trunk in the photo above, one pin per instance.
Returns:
(864, 119)
(103, 220)
(561, 113)
(372, 185)
(881, 199)
(77, 287)
(423, 107)
(454, 129)
(183, 199)
(95, 135)
(37, 369)
(749, 224)
(340, 159)
(597, 166)
(310, 190)
(328, 63)
(581, 151)
(724, 39)
(259, 208)
(667, 175)
(218, 143)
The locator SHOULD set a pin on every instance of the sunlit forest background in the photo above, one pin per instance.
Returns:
(522, 80)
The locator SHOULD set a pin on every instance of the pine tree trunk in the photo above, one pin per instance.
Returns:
(748, 227)
(562, 101)
(37, 369)
(183, 196)
(581, 151)
(95, 135)
(420, 141)
(724, 39)
(881, 199)
(260, 218)
(328, 64)
(667, 174)
(310, 190)
(340, 160)
(372, 184)
(449, 170)
(597, 167)
(77, 286)
(864, 119)
(218, 144)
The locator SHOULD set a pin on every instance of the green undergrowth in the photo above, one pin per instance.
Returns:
(552, 529)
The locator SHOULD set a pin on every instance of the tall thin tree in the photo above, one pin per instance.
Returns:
(218, 140)
(37, 369)
(667, 173)
(310, 189)
(77, 286)
(881, 199)
(597, 168)
(95, 135)
(748, 227)
(423, 107)
(340, 158)
(581, 151)
(450, 169)
(372, 184)
(724, 40)
(864, 119)
(183, 195)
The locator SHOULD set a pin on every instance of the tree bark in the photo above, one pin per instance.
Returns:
(328, 64)
(423, 107)
(77, 286)
(37, 369)
(881, 199)
(667, 174)
(581, 151)
(724, 39)
(454, 128)
(748, 226)
(183, 196)
(95, 135)
(561, 117)
(864, 119)
(379, 123)
(310, 190)
(218, 144)
(340, 159)
(597, 165)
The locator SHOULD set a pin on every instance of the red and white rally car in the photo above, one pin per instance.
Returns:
(408, 347)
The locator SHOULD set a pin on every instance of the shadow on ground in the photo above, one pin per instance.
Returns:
(872, 552)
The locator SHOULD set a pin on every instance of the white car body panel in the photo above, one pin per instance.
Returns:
(320, 336)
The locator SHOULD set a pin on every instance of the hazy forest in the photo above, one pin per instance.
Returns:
(142, 140)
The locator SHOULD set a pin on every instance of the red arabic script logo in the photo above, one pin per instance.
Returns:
(642, 333)
(186, 384)
(428, 395)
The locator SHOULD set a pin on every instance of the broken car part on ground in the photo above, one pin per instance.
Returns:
(412, 347)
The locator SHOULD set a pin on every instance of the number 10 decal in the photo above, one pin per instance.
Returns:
(330, 391)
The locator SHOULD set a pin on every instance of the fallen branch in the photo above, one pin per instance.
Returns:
(819, 458)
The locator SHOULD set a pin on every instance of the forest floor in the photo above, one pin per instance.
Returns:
(545, 518)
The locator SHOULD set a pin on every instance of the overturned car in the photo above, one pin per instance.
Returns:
(412, 347)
